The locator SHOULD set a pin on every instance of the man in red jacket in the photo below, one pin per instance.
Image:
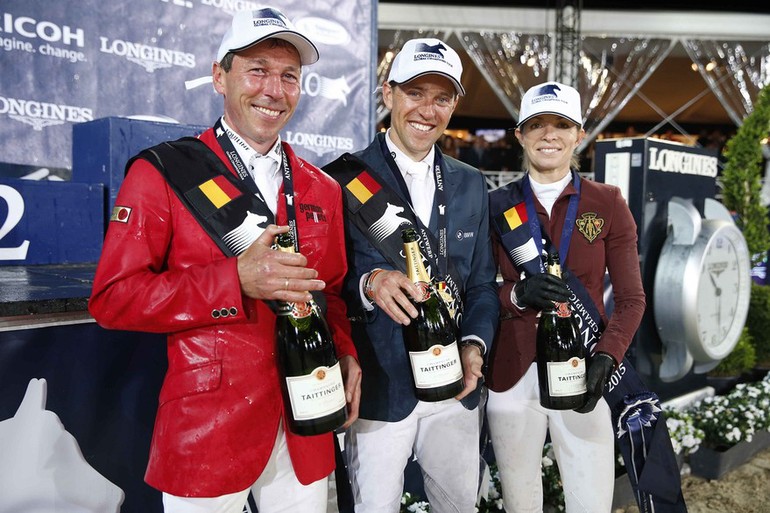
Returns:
(188, 253)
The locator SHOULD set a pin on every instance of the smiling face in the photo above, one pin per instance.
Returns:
(420, 111)
(549, 141)
(261, 91)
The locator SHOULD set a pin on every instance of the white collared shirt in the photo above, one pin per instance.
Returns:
(547, 193)
(264, 169)
(418, 177)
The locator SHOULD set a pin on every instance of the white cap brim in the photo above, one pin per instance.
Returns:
(458, 86)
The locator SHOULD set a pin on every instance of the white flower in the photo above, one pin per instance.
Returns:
(419, 507)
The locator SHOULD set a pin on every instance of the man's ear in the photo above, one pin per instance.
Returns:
(387, 95)
(218, 77)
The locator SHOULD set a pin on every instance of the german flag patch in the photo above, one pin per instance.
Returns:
(212, 195)
(362, 188)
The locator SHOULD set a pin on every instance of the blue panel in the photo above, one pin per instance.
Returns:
(50, 222)
(101, 148)
(103, 386)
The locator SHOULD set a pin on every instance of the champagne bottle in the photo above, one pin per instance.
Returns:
(431, 338)
(312, 379)
(561, 360)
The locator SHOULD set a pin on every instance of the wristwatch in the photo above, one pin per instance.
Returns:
(473, 342)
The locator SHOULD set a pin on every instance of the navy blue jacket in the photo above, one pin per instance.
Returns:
(387, 387)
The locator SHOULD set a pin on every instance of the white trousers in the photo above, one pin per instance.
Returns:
(276, 491)
(444, 438)
(583, 444)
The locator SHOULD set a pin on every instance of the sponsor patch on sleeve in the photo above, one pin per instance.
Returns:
(120, 214)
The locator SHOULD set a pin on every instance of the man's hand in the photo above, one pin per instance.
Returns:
(351, 374)
(600, 368)
(472, 361)
(266, 273)
(389, 292)
(539, 291)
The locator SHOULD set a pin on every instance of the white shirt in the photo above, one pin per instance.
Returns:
(264, 169)
(547, 193)
(418, 177)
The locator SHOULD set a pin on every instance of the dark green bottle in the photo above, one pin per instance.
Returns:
(432, 338)
(312, 379)
(561, 360)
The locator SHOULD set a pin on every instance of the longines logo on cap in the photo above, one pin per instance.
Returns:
(268, 16)
(149, 57)
(547, 93)
(424, 51)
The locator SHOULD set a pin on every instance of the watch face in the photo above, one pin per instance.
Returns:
(723, 291)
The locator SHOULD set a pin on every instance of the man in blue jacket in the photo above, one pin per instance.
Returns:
(403, 180)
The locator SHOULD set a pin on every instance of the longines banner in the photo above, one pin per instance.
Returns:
(65, 63)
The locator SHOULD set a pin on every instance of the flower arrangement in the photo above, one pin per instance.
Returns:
(729, 419)
(721, 421)
(686, 437)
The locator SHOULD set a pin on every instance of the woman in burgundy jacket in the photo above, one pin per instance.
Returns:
(593, 229)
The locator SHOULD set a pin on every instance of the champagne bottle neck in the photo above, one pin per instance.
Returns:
(287, 246)
(415, 269)
(554, 268)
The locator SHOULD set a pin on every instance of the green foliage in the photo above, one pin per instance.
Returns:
(758, 322)
(741, 359)
(742, 176)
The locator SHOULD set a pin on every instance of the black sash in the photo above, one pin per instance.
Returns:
(637, 418)
(381, 214)
(231, 215)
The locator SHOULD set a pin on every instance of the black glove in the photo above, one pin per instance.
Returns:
(540, 291)
(600, 368)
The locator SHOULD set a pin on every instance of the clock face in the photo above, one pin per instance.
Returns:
(724, 287)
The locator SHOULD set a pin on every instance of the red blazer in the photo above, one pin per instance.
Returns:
(614, 248)
(221, 403)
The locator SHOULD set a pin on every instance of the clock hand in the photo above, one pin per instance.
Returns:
(717, 289)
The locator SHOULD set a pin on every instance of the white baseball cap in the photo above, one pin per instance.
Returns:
(420, 57)
(551, 98)
(251, 27)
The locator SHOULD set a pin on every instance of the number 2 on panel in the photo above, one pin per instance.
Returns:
(15, 211)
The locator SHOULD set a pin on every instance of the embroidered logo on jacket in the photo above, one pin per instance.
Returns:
(312, 212)
(590, 225)
(247, 232)
(388, 223)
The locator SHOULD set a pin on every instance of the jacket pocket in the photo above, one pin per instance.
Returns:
(191, 380)
(313, 240)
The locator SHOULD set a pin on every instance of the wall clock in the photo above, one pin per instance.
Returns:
(702, 288)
